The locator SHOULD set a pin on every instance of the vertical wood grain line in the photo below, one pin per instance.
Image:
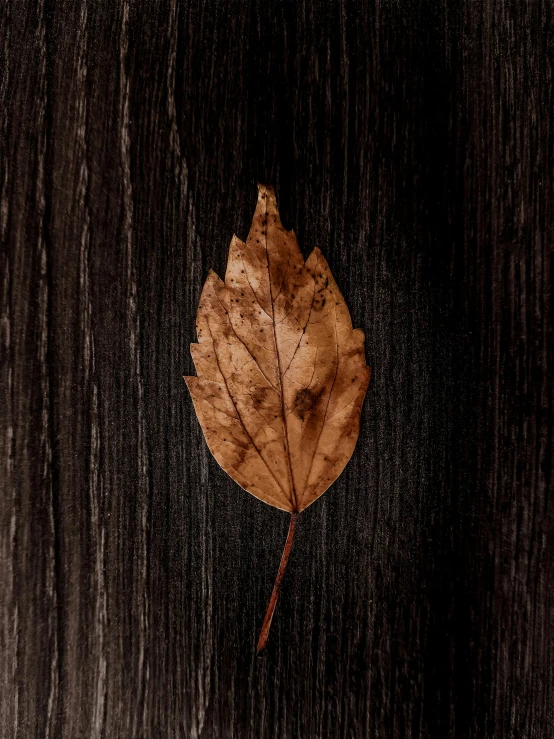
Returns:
(140, 564)
(47, 432)
(9, 694)
(199, 630)
(94, 479)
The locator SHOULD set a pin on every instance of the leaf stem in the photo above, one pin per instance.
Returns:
(264, 633)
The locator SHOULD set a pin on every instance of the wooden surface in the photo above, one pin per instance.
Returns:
(412, 142)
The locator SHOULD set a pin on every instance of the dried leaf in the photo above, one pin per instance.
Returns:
(281, 372)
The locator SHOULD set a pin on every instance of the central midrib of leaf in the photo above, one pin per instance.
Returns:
(279, 371)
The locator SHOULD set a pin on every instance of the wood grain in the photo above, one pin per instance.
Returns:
(412, 142)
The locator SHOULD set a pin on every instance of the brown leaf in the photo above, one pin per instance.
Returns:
(281, 372)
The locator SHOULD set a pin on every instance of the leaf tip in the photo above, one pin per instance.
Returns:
(267, 202)
(265, 190)
(213, 279)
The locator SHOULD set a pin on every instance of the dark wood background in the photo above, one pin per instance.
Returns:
(413, 142)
